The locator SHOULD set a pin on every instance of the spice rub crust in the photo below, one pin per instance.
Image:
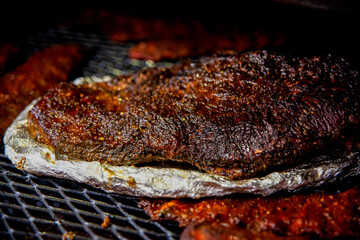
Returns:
(236, 115)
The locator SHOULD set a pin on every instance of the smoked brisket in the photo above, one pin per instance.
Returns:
(232, 114)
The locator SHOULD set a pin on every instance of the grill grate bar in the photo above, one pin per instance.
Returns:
(75, 210)
(3, 218)
(36, 207)
(22, 205)
(131, 221)
(112, 59)
(169, 234)
(49, 209)
(103, 215)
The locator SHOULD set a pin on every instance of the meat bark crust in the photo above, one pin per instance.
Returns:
(235, 115)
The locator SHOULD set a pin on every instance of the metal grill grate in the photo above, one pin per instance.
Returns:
(109, 58)
(47, 208)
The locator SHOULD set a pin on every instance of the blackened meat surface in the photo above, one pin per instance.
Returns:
(236, 115)
(326, 215)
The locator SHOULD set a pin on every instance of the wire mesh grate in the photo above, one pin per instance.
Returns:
(108, 58)
(47, 208)
(34, 207)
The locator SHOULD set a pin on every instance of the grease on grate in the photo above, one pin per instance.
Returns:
(48, 208)
(106, 223)
(68, 236)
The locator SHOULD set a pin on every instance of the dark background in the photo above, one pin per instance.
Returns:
(314, 26)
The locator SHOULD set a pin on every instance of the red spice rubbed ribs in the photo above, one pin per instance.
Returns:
(236, 115)
(39, 73)
(158, 39)
(323, 214)
(224, 231)
(202, 43)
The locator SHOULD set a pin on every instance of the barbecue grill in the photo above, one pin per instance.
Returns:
(43, 208)
(37, 207)
(34, 207)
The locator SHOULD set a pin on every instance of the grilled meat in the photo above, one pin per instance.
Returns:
(323, 214)
(10, 107)
(39, 73)
(43, 70)
(158, 39)
(221, 231)
(236, 115)
(201, 44)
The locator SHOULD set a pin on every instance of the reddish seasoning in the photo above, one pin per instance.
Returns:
(323, 214)
(236, 115)
(157, 39)
(223, 231)
(106, 223)
(39, 73)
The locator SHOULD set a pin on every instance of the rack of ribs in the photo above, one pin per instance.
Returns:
(42, 71)
(237, 115)
(326, 215)
(171, 39)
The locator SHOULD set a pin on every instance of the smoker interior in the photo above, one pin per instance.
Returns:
(41, 208)
(37, 207)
